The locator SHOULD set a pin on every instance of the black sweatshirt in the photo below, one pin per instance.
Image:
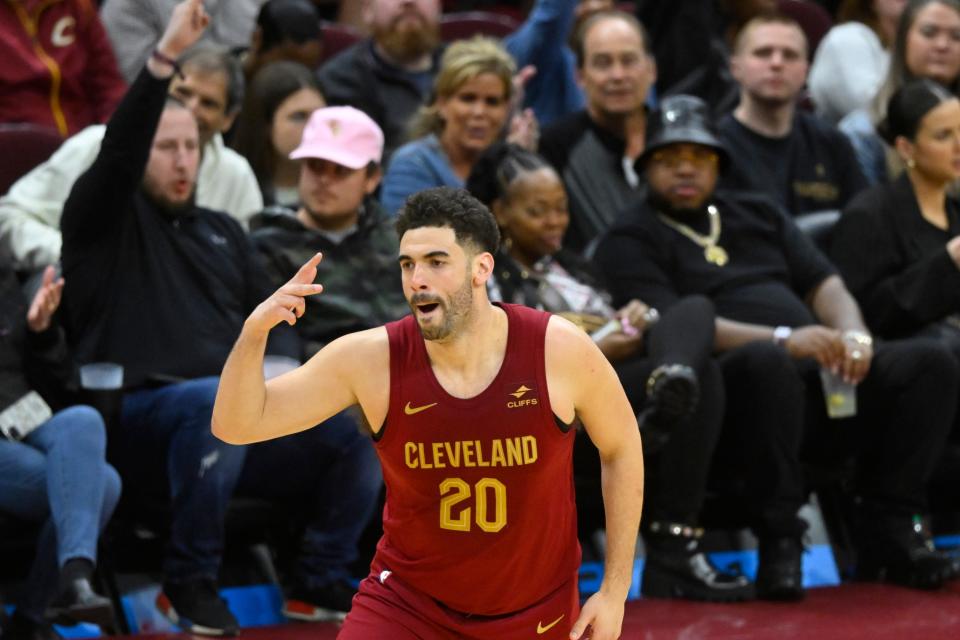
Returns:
(163, 294)
(28, 360)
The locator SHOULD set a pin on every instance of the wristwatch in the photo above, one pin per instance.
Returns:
(781, 335)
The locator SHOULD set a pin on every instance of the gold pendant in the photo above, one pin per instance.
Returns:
(716, 255)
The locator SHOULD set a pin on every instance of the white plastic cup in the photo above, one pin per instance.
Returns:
(274, 366)
(839, 395)
(101, 375)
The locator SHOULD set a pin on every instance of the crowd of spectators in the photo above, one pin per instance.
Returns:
(650, 186)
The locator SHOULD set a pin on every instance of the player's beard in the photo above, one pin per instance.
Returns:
(408, 45)
(454, 311)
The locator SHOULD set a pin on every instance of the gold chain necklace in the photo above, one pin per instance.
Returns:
(712, 252)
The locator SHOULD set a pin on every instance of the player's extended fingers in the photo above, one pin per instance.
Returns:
(307, 273)
(302, 290)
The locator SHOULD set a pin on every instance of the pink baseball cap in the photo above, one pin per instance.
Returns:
(343, 135)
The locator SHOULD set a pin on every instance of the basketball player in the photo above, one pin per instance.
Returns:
(471, 406)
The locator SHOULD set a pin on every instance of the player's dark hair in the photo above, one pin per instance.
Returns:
(471, 221)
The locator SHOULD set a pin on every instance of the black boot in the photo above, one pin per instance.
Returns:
(675, 568)
(899, 549)
(672, 396)
(76, 601)
(780, 574)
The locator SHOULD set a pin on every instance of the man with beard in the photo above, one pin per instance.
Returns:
(783, 316)
(211, 85)
(471, 407)
(798, 160)
(163, 287)
(390, 74)
(594, 150)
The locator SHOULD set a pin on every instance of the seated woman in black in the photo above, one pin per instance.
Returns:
(898, 244)
(664, 365)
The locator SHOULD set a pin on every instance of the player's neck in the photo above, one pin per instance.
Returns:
(467, 362)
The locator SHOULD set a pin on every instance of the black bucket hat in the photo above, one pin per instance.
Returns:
(681, 119)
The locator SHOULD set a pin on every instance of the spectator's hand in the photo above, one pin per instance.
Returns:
(635, 313)
(519, 86)
(603, 614)
(823, 344)
(953, 248)
(856, 360)
(524, 130)
(186, 25)
(287, 303)
(619, 345)
(45, 302)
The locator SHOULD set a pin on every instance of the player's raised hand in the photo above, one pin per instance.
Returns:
(604, 617)
(187, 24)
(288, 302)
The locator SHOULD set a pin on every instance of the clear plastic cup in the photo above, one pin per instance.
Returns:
(101, 387)
(101, 375)
(839, 395)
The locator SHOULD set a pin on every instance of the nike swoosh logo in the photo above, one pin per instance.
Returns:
(415, 410)
(543, 629)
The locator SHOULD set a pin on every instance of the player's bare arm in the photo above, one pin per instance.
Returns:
(349, 370)
(583, 384)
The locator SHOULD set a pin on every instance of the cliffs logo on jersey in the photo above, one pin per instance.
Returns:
(524, 396)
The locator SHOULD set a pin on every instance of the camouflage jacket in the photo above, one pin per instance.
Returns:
(360, 275)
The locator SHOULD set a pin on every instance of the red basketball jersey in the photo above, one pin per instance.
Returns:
(480, 511)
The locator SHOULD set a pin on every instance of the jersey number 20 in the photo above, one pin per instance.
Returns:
(453, 491)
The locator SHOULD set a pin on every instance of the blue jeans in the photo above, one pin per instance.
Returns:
(332, 466)
(334, 471)
(58, 476)
(164, 447)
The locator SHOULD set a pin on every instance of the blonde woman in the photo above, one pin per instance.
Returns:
(470, 108)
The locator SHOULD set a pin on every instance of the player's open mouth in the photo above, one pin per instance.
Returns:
(427, 308)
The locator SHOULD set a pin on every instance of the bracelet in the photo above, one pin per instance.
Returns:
(857, 337)
(168, 61)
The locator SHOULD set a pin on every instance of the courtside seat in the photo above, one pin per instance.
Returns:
(819, 226)
(24, 146)
(336, 37)
(461, 25)
(812, 18)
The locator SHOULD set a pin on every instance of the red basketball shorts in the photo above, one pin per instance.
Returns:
(386, 607)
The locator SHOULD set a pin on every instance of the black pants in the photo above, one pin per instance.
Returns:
(775, 410)
(676, 477)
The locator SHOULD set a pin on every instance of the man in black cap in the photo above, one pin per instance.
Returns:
(783, 316)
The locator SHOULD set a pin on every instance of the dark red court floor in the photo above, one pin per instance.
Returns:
(848, 612)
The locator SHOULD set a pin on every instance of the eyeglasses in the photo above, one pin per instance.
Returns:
(673, 157)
